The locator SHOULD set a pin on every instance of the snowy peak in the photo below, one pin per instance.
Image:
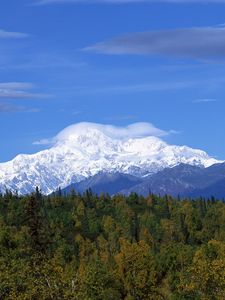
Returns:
(85, 149)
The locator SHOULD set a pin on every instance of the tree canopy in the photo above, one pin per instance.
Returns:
(100, 247)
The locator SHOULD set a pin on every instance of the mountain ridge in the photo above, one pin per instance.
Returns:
(83, 150)
(182, 180)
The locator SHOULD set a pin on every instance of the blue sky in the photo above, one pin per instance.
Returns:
(112, 62)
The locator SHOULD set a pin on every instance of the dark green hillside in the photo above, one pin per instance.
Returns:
(95, 248)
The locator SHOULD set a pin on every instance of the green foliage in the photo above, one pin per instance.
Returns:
(101, 248)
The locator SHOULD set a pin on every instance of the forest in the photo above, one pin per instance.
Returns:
(84, 246)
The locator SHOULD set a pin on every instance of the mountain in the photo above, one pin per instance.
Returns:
(173, 181)
(183, 180)
(216, 190)
(111, 183)
(85, 149)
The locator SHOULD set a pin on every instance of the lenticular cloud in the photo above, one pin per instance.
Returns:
(136, 130)
(131, 131)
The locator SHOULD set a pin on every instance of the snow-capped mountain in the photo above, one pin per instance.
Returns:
(85, 149)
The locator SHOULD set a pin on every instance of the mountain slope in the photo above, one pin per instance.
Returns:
(111, 183)
(184, 180)
(85, 149)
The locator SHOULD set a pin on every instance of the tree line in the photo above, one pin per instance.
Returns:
(84, 246)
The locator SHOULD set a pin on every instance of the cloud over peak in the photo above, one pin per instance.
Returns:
(135, 130)
(196, 42)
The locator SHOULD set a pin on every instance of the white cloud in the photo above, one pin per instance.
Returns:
(12, 35)
(136, 130)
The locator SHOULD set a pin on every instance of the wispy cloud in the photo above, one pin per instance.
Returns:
(45, 2)
(12, 35)
(19, 90)
(198, 43)
(206, 100)
(7, 108)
